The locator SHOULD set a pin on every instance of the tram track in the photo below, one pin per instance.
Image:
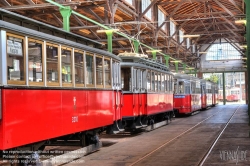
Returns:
(185, 132)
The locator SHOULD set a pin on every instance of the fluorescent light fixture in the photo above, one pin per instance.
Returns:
(243, 46)
(106, 30)
(191, 35)
(175, 61)
(240, 21)
(243, 58)
(202, 52)
(153, 50)
(190, 68)
(244, 65)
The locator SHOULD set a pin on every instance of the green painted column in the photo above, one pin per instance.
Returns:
(167, 59)
(224, 88)
(109, 34)
(66, 12)
(136, 45)
(195, 72)
(154, 54)
(184, 67)
(176, 66)
(247, 2)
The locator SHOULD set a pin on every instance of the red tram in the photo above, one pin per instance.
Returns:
(187, 94)
(53, 88)
(147, 91)
(192, 94)
(232, 94)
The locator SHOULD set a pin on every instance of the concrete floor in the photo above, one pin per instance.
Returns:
(232, 148)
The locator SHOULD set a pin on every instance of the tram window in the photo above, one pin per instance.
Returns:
(99, 70)
(175, 87)
(126, 79)
(153, 81)
(139, 79)
(159, 82)
(181, 87)
(167, 82)
(15, 59)
(193, 87)
(79, 67)
(66, 64)
(35, 54)
(187, 88)
(144, 79)
(107, 72)
(156, 82)
(198, 87)
(162, 82)
(89, 69)
(52, 63)
(149, 80)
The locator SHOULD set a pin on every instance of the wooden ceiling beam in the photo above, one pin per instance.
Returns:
(236, 6)
(182, 1)
(223, 7)
(6, 3)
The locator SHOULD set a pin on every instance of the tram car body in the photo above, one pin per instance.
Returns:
(147, 91)
(232, 94)
(51, 87)
(206, 94)
(187, 94)
(215, 94)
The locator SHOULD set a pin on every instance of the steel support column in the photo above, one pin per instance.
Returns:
(66, 12)
(247, 2)
(224, 89)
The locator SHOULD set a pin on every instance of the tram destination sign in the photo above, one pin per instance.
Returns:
(179, 96)
(14, 48)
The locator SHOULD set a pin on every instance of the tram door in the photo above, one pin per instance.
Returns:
(136, 82)
(116, 77)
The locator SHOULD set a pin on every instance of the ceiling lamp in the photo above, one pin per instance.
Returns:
(175, 61)
(191, 35)
(202, 52)
(241, 21)
(106, 30)
(153, 50)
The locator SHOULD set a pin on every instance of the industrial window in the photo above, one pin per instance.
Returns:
(89, 69)
(181, 36)
(79, 67)
(172, 28)
(107, 73)
(99, 71)
(188, 43)
(161, 19)
(35, 58)
(193, 48)
(15, 59)
(222, 51)
(52, 64)
(145, 4)
(130, 2)
(66, 66)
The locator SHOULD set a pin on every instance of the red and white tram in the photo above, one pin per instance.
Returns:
(206, 93)
(53, 88)
(147, 91)
(187, 94)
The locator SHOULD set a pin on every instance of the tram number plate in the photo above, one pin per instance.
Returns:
(179, 96)
(74, 119)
